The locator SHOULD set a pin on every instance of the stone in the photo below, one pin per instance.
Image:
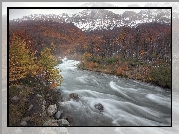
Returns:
(15, 98)
(69, 118)
(74, 96)
(63, 122)
(23, 123)
(44, 113)
(25, 100)
(51, 122)
(44, 102)
(26, 119)
(99, 106)
(52, 109)
(63, 99)
(39, 96)
(30, 107)
(58, 115)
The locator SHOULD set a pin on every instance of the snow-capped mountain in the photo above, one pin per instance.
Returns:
(100, 19)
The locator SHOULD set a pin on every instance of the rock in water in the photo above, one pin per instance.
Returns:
(69, 118)
(58, 114)
(52, 109)
(63, 99)
(74, 96)
(99, 106)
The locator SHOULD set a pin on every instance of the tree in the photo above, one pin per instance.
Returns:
(48, 73)
(21, 60)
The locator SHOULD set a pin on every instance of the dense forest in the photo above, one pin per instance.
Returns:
(129, 45)
(141, 51)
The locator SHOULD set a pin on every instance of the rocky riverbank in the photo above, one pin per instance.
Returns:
(37, 107)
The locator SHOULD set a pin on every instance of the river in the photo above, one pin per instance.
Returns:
(126, 102)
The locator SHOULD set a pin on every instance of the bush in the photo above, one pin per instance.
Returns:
(161, 75)
(21, 60)
(25, 66)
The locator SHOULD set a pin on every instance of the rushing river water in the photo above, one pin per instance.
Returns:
(126, 102)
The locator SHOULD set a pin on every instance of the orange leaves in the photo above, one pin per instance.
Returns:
(53, 85)
(120, 71)
(92, 65)
(142, 52)
(125, 66)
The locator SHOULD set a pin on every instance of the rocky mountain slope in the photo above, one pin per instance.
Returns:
(100, 19)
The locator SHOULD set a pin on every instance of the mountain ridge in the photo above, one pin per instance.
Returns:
(100, 19)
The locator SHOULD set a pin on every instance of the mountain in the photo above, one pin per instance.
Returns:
(96, 19)
(103, 19)
(94, 29)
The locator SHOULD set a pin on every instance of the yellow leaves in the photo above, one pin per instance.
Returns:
(46, 63)
(24, 64)
(53, 46)
(20, 59)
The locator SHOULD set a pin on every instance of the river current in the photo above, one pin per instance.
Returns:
(126, 102)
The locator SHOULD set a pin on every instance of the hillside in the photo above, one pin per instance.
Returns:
(130, 45)
(140, 42)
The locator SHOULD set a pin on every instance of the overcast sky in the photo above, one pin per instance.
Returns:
(16, 13)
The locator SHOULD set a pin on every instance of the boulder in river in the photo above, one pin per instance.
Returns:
(74, 96)
(69, 118)
(63, 99)
(52, 109)
(99, 106)
(58, 115)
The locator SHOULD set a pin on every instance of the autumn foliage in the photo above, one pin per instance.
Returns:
(21, 60)
(127, 51)
(26, 64)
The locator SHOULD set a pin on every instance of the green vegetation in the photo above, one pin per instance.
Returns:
(161, 75)
(158, 73)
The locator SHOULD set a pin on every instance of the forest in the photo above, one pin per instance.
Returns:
(37, 43)
(142, 52)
